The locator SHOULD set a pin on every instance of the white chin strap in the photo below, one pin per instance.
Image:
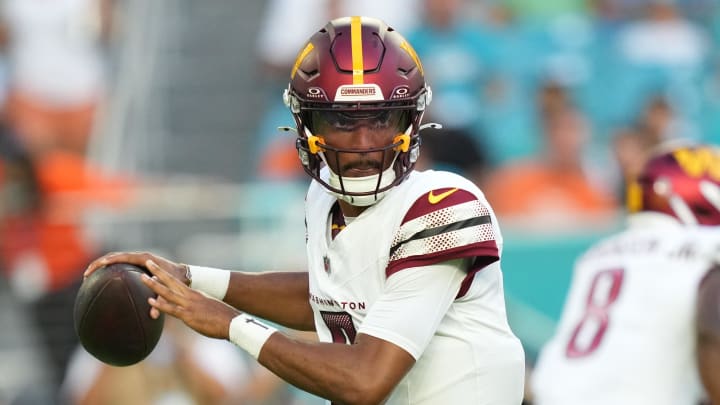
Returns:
(361, 185)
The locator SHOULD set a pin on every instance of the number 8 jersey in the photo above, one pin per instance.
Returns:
(419, 269)
(627, 335)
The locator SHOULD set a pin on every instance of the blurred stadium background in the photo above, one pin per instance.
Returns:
(193, 98)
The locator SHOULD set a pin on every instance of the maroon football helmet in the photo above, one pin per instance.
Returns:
(357, 68)
(683, 182)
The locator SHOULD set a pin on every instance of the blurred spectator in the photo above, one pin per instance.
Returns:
(43, 249)
(460, 57)
(184, 369)
(664, 37)
(552, 97)
(56, 70)
(710, 106)
(659, 120)
(56, 82)
(18, 186)
(531, 52)
(277, 47)
(630, 148)
(659, 52)
(657, 123)
(279, 41)
(545, 10)
(553, 188)
(452, 150)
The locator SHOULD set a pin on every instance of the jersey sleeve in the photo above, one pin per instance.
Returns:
(442, 225)
(414, 291)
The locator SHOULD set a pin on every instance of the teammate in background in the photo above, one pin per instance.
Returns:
(641, 324)
(404, 286)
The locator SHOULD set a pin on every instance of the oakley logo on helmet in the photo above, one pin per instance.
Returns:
(400, 93)
(363, 92)
(316, 93)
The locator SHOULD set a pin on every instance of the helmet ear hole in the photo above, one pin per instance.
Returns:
(700, 211)
(309, 161)
(414, 154)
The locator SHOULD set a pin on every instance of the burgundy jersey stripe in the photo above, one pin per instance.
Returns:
(485, 251)
(423, 205)
(480, 263)
(338, 220)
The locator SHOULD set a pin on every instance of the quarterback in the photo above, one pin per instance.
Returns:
(641, 323)
(404, 287)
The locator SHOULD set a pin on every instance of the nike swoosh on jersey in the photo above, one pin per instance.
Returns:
(434, 199)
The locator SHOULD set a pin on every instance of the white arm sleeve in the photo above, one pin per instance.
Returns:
(413, 304)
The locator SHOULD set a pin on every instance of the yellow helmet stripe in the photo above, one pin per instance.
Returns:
(301, 57)
(357, 50)
(409, 49)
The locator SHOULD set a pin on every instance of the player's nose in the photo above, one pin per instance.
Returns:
(365, 138)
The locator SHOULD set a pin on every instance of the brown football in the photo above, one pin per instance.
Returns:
(112, 315)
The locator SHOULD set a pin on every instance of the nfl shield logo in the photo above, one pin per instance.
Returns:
(326, 263)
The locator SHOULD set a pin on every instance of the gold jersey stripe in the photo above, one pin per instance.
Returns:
(357, 50)
(301, 57)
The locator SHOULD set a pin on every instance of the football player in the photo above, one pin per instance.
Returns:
(404, 286)
(641, 323)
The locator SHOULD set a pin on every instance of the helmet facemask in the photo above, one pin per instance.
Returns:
(397, 157)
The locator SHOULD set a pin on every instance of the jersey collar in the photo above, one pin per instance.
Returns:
(652, 220)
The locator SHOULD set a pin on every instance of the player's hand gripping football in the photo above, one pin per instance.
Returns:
(204, 314)
(170, 281)
(177, 270)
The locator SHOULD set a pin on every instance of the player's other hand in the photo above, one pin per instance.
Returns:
(176, 270)
(204, 314)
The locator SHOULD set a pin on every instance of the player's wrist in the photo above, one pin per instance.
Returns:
(249, 334)
(213, 282)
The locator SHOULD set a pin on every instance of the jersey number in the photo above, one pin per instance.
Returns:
(591, 328)
(341, 326)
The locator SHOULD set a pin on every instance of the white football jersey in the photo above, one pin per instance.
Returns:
(379, 275)
(626, 335)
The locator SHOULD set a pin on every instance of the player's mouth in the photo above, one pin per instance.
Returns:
(361, 169)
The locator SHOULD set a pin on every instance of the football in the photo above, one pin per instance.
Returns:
(112, 315)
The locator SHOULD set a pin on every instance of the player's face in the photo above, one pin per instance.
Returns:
(359, 143)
